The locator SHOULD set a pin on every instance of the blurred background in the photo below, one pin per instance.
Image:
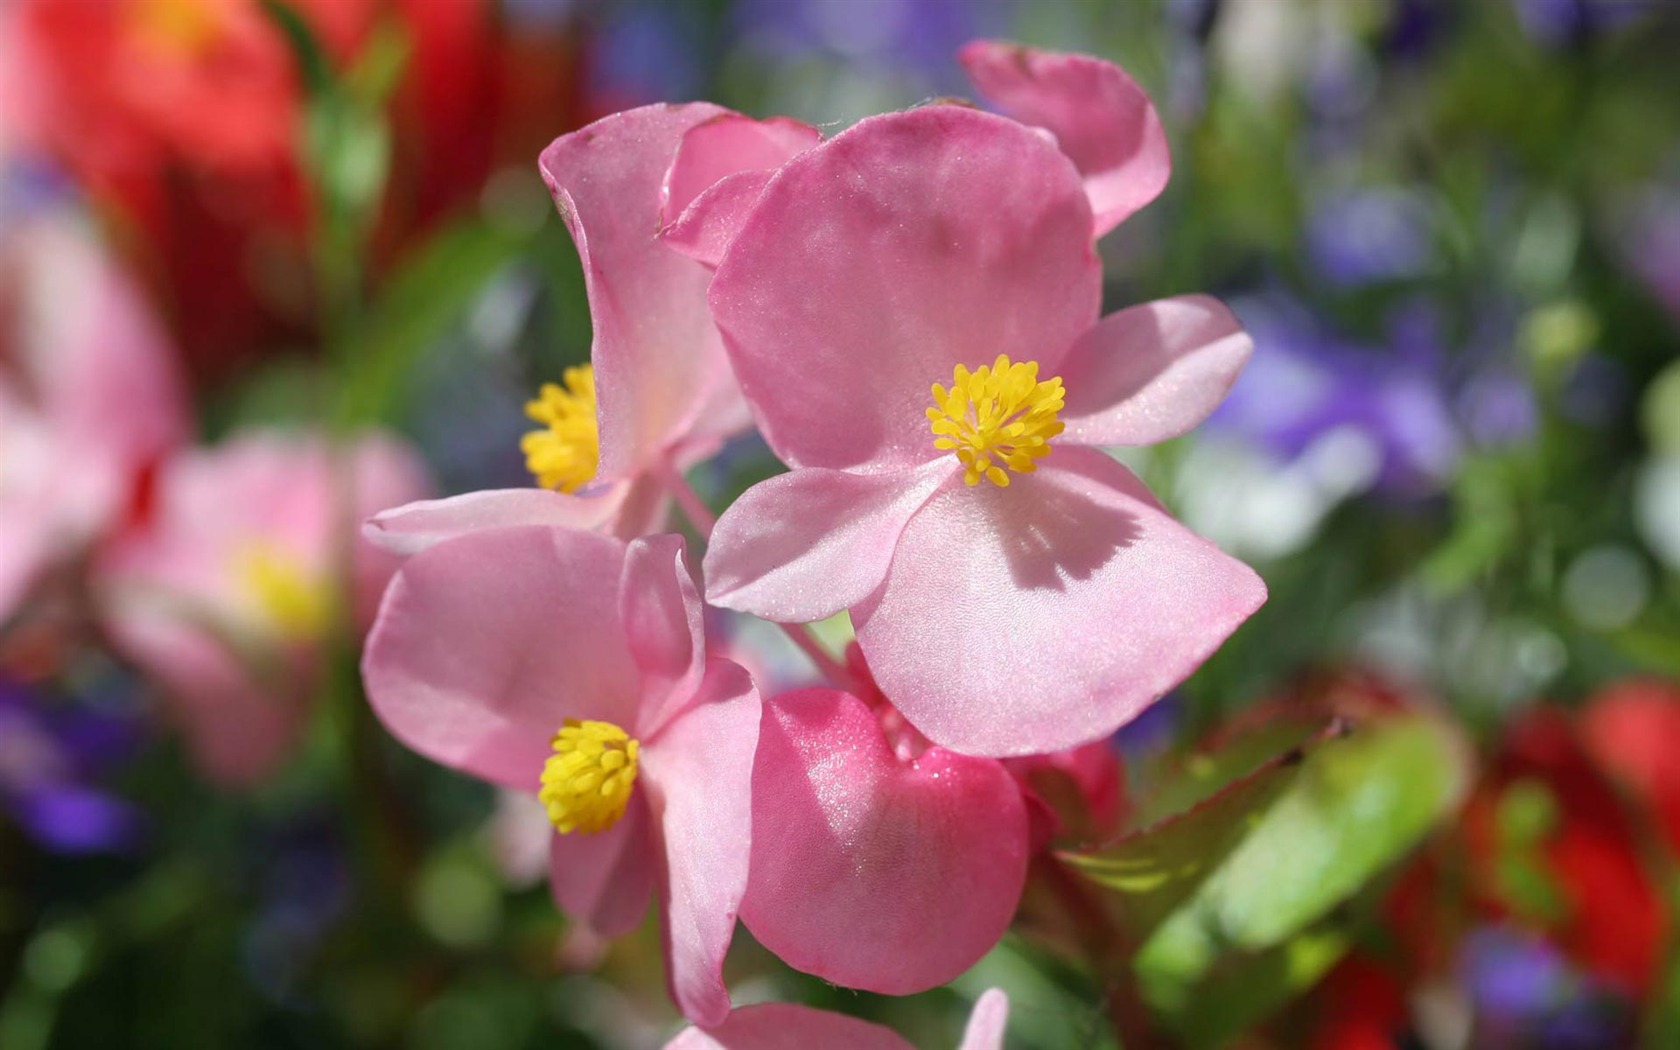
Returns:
(255, 254)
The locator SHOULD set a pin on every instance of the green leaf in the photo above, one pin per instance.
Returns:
(1249, 986)
(1153, 871)
(307, 53)
(1358, 805)
(419, 303)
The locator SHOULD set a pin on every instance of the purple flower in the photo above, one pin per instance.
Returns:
(1369, 235)
(50, 760)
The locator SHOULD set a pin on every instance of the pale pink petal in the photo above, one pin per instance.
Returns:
(1101, 118)
(663, 621)
(488, 642)
(657, 356)
(605, 880)
(1152, 372)
(1047, 614)
(411, 528)
(803, 545)
(728, 144)
(987, 1024)
(707, 227)
(698, 776)
(778, 1026)
(877, 261)
(870, 872)
(241, 715)
(385, 472)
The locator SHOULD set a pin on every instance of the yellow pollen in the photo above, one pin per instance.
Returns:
(180, 29)
(998, 416)
(565, 455)
(586, 782)
(297, 602)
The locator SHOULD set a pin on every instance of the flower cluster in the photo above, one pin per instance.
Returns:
(908, 312)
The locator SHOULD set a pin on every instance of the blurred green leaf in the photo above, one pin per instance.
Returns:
(419, 303)
(1357, 806)
(1249, 986)
(307, 53)
(1152, 872)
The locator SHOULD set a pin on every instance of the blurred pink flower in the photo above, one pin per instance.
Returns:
(228, 594)
(573, 665)
(89, 398)
(666, 396)
(1014, 590)
(878, 863)
(773, 1026)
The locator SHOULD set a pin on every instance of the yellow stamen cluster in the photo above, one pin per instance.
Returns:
(998, 416)
(297, 602)
(178, 28)
(586, 782)
(566, 454)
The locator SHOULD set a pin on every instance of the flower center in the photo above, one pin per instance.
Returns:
(565, 455)
(297, 602)
(180, 29)
(586, 782)
(998, 416)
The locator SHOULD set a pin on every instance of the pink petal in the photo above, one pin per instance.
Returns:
(1047, 614)
(662, 615)
(698, 770)
(777, 1026)
(413, 527)
(485, 644)
(241, 719)
(872, 873)
(1101, 118)
(877, 261)
(707, 227)
(728, 144)
(1152, 372)
(802, 546)
(657, 356)
(987, 1024)
(605, 880)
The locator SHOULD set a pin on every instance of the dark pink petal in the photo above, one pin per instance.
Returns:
(806, 544)
(725, 145)
(413, 527)
(777, 1026)
(1047, 614)
(1152, 372)
(871, 872)
(486, 643)
(605, 880)
(657, 356)
(697, 771)
(707, 227)
(1103, 121)
(877, 261)
(662, 615)
(988, 1022)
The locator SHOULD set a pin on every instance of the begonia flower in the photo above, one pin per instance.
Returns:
(228, 595)
(573, 665)
(773, 1026)
(89, 399)
(878, 862)
(1099, 117)
(657, 395)
(1015, 590)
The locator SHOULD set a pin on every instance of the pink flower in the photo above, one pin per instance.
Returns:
(878, 862)
(1098, 115)
(572, 665)
(658, 395)
(89, 399)
(1015, 590)
(227, 596)
(774, 1026)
